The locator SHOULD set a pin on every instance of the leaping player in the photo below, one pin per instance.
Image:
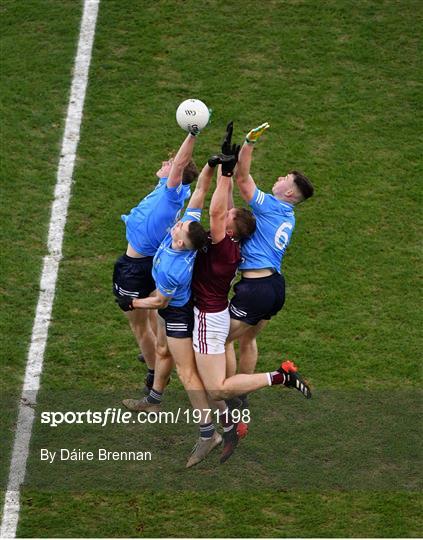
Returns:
(146, 226)
(215, 268)
(260, 294)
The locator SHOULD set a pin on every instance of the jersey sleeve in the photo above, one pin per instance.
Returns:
(261, 202)
(186, 192)
(166, 284)
(174, 193)
(192, 214)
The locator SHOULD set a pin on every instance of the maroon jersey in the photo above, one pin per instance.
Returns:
(215, 268)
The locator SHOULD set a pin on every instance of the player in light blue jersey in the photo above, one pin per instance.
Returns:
(260, 293)
(172, 271)
(172, 267)
(146, 226)
(149, 222)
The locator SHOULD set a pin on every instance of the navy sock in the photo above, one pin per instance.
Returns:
(149, 379)
(206, 430)
(154, 396)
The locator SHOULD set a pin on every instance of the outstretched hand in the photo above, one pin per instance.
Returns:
(227, 141)
(194, 130)
(256, 133)
(229, 161)
(229, 156)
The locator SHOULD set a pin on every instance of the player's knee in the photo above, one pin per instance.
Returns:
(218, 394)
(162, 351)
(186, 375)
(219, 391)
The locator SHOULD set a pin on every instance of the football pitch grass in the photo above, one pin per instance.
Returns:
(339, 83)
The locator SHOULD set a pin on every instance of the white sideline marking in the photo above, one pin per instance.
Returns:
(51, 262)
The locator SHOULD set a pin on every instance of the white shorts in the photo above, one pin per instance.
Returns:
(210, 331)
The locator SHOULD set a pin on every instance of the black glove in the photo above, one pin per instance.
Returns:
(229, 161)
(125, 303)
(227, 141)
(214, 160)
(194, 130)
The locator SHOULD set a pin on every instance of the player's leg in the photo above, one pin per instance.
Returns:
(237, 329)
(153, 323)
(211, 368)
(139, 321)
(164, 365)
(254, 303)
(132, 277)
(209, 337)
(153, 320)
(183, 354)
(231, 366)
(164, 360)
(248, 352)
(179, 323)
(246, 335)
(245, 383)
(212, 371)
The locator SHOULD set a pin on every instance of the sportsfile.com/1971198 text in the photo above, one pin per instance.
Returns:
(112, 415)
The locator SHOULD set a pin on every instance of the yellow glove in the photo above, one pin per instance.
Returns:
(257, 132)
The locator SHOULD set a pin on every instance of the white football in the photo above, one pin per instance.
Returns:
(192, 115)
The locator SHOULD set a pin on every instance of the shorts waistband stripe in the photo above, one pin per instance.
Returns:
(128, 293)
(204, 333)
(200, 333)
(238, 312)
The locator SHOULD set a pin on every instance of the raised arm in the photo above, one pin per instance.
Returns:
(181, 160)
(244, 180)
(222, 196)
(202, 187)
(219, 208)
(231, 194)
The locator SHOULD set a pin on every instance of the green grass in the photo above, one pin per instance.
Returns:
(234, 514)
(339, 82)
(38, 44)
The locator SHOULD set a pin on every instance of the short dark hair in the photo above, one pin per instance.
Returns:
(303, 184)
(245, 223)
(197, 235)
(190, 173)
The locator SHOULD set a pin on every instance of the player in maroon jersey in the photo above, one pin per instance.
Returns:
(215, 268)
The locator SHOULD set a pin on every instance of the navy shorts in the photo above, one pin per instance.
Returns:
(132, 277)
(256, 299)
(179, 321)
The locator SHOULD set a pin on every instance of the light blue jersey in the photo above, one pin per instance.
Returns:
(275, 222)
(149, 222)
(172, 269)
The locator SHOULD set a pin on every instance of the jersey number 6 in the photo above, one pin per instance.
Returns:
(281, 236)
